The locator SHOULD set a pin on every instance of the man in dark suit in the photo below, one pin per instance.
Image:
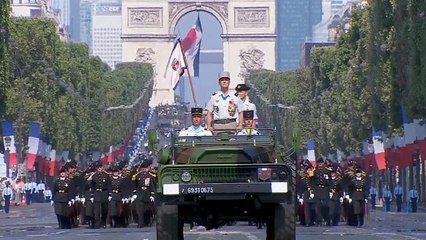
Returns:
(101, 190)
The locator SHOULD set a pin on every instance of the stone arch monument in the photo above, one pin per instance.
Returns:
(148, 34)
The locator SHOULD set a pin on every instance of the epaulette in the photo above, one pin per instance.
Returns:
(329, 169)
(152, 174)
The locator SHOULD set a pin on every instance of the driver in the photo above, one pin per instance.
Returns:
(248, 121)
(196, 129)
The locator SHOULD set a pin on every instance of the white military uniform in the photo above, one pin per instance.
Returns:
(194, 131)
(224, 107)
(249, 106)
(245, 132)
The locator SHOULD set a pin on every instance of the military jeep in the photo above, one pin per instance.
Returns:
(216, 180)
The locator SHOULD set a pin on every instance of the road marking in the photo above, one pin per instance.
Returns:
(57, 233)
(88, 234)
(37, 235)
(250, 236)
(399, 235)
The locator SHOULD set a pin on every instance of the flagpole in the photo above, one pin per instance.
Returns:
(189, 75)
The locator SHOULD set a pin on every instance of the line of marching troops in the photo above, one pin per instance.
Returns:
(99, 196)
(326, 193)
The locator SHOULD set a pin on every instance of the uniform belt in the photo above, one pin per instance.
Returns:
(359, 190)
(225, 121)
(115, 191)
(144, 188)
(100, 190)
(320, 185)
(61, 191)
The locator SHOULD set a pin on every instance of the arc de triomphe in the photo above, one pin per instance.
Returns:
(148, 34)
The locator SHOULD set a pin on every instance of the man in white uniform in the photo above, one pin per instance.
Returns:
(223, 107)
(242, 93)
(196, 129)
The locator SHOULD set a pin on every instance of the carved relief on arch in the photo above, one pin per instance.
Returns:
(220, 7)
(145, 55)
(251, 59)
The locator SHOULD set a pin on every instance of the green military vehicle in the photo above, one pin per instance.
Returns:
(215, 180)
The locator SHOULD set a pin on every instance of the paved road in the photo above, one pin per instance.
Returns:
(37, 221)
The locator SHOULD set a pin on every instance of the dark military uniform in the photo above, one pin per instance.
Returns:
(335, 196)
(144, 183)
(62, 200)
(88, 205)
(76, 178)
(322, 178)
(308, 201)
(359, 195)
(101, 189)
(348, 206)
(116, 203)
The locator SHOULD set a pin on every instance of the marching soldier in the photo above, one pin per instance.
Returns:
(62, 199)
(196, 129)
(77, 181)
(306, 174)
(87, 199)
(115, 203)
(359, 195)
(144, 183)
(347, 201)
(335, 197)
(101, 189)
(321, 191)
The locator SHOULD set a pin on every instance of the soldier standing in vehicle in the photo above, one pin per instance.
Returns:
(321, 190)
(196, 129)
(242, 94)
(248, 123)
(223, 108)
(101, 189)
(144, 183)
(62, 198)
(359, 195)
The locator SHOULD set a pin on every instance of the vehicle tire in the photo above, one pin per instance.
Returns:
(281, 224)
(169, 227)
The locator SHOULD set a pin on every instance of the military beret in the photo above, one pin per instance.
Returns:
(320, 160)
(144, 164)
(242, 87)
(63, 169)
(196, 111)
(249, 114)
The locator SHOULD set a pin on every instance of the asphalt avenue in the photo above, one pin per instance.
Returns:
(37, 221)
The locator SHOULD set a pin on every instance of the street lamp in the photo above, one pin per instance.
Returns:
(7, 144)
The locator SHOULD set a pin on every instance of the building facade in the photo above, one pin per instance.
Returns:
(27, 8)
(295, 19)
(106, 33)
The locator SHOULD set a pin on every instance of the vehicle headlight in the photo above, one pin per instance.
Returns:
(186, 176)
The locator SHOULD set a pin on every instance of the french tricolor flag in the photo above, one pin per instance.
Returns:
(8, 131)
(379, 150)
(33, 144)
(191, 47)
(311, 152)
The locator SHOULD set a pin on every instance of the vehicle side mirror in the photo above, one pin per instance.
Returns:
(164, 155)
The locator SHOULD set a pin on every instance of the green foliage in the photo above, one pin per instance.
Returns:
(61, 86)
(377, 67)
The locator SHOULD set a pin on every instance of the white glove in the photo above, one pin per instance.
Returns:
(350, 200)
(51, 203)
(92, 199)
(109, 198)
(77, 198)
(341, 199)
(301, 201)
(152, 198)
(69, 203)
(366, 201)
(331, 195)
(123, 200)
(347, 197)
(82, 200)
(72, 201)
(311, 196)
(127, 200)
(134, 196)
